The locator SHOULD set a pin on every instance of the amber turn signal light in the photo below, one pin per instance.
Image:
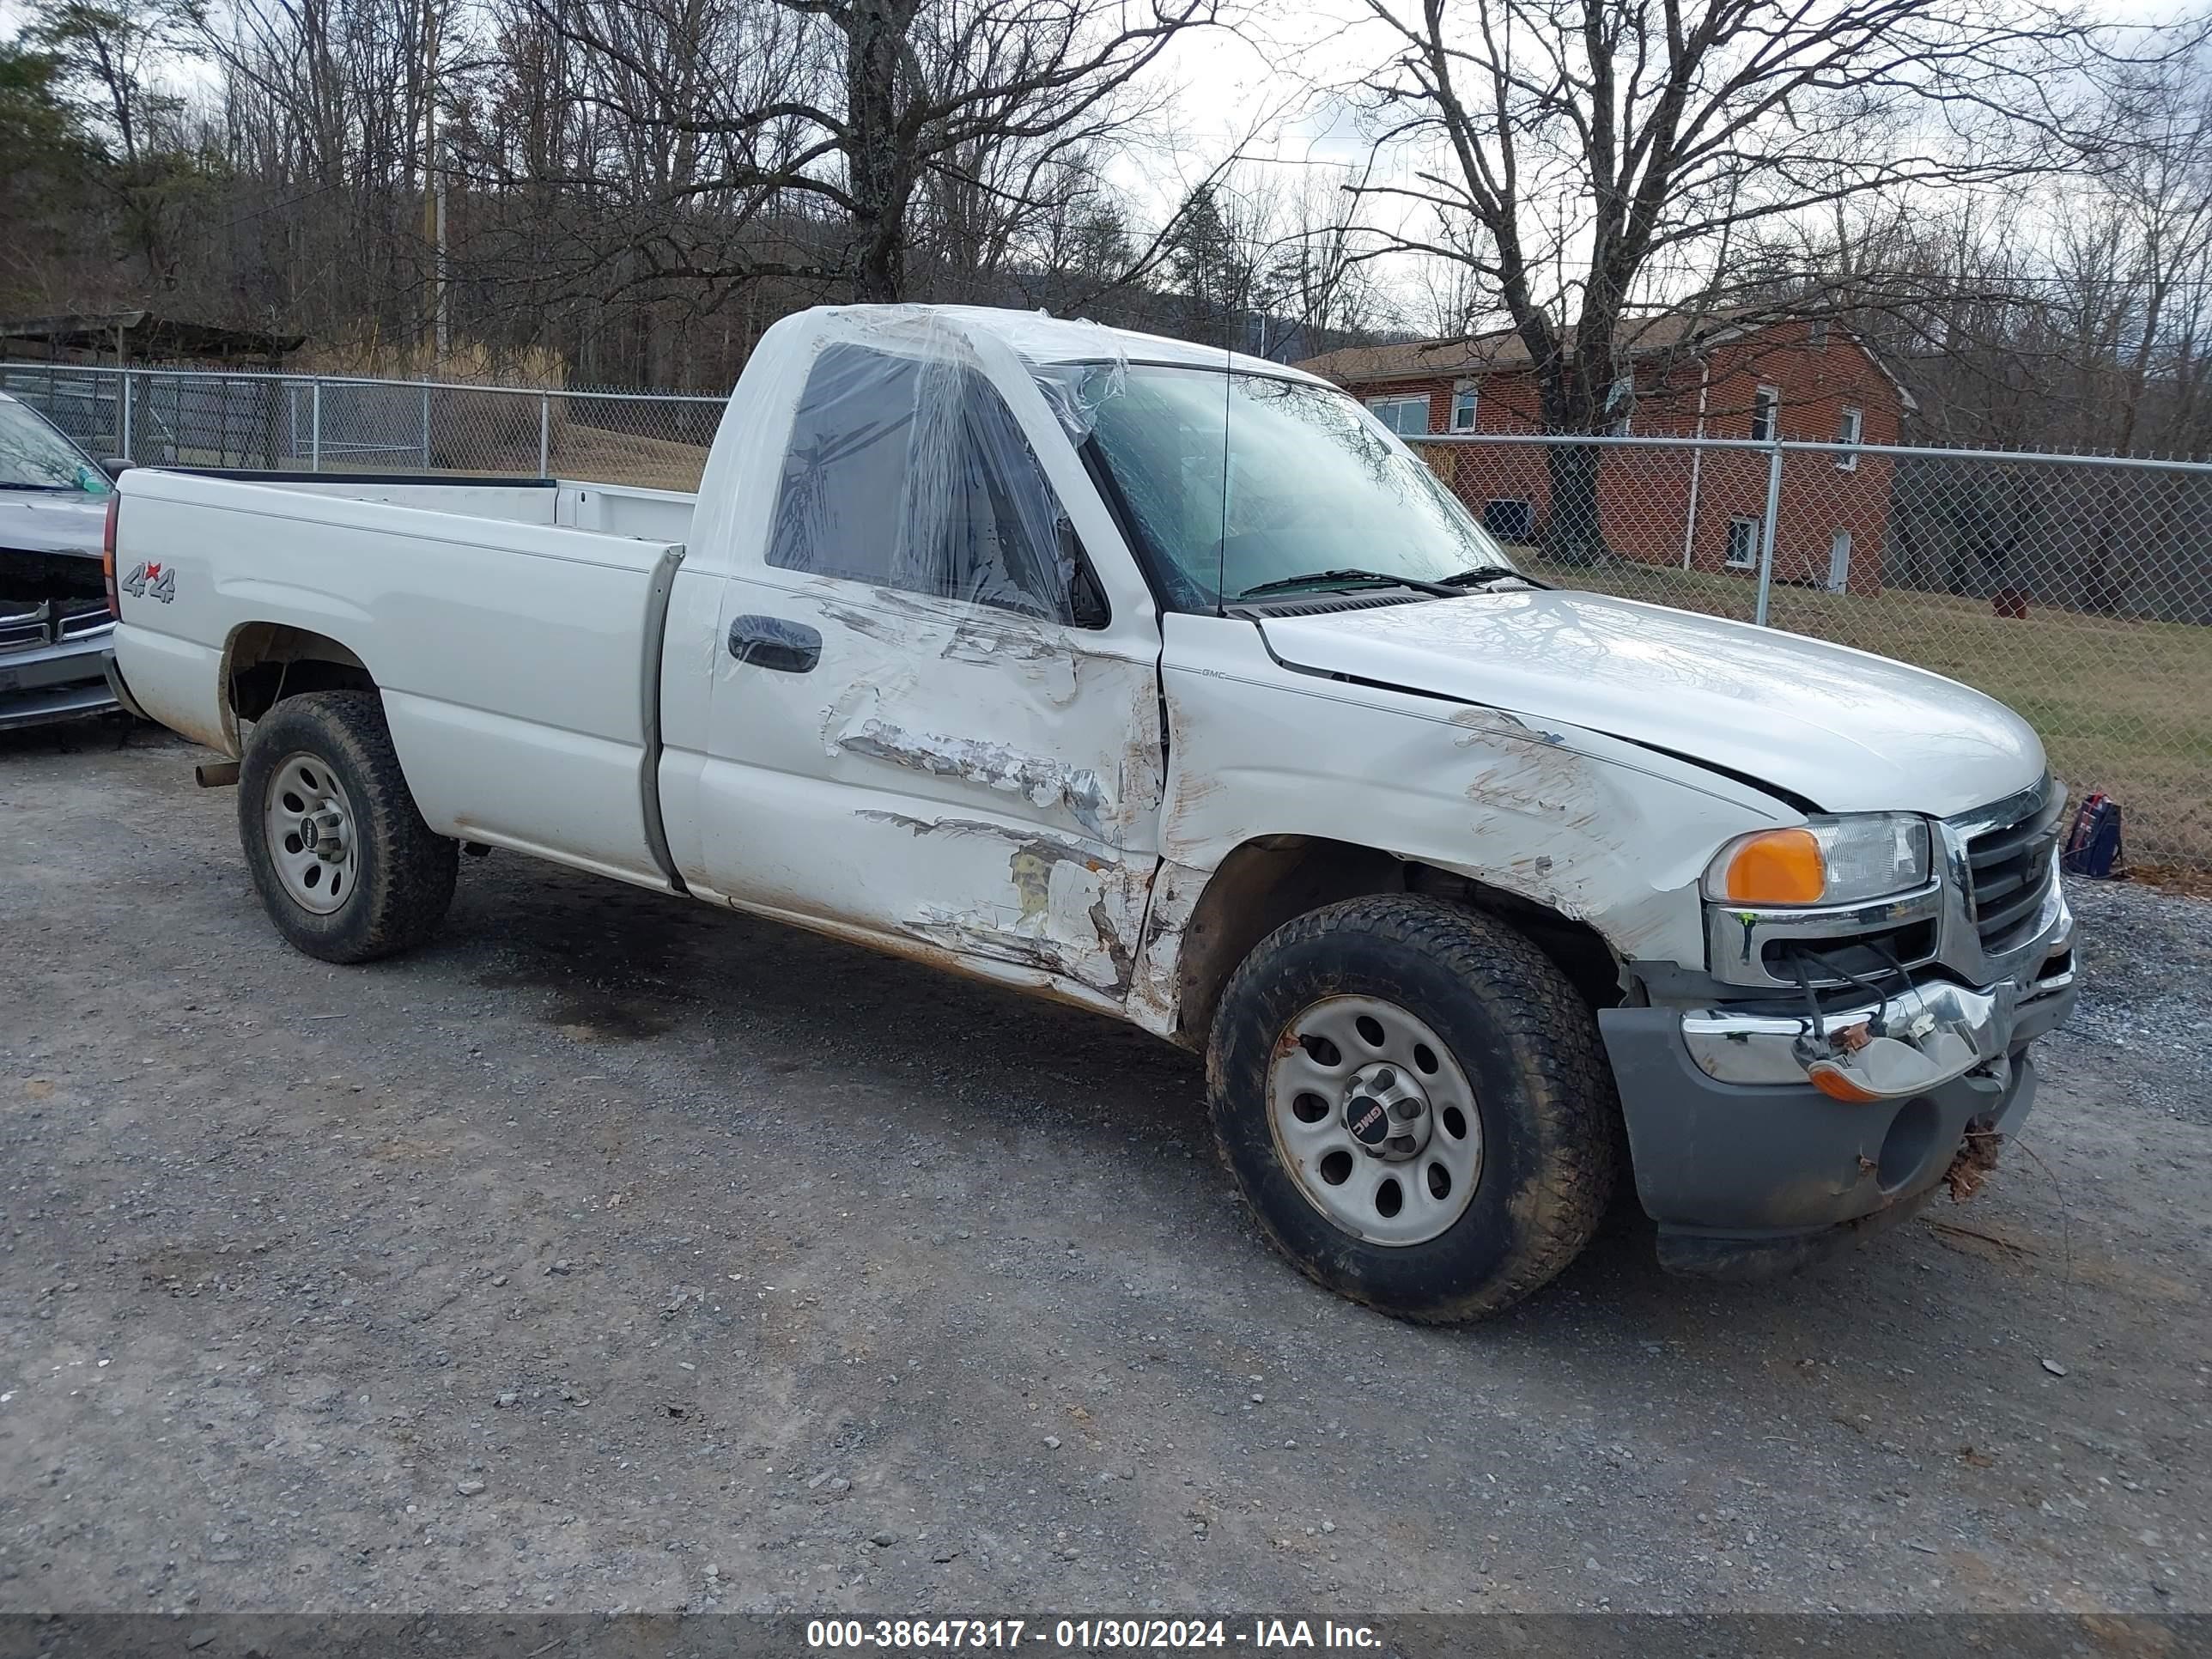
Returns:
(1782, 866)
(1832, 1081)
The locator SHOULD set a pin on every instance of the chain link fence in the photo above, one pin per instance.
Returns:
(330, 423)
(2077, 589)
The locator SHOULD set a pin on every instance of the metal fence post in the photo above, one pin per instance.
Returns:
(122, 449)
(426, 428)
(1766, 541)
(314, 426)
(544, 434)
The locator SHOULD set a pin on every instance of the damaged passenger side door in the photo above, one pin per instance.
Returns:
(931, 726)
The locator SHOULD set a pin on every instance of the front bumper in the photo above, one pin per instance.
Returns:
(60, 682)
(1750, 1171)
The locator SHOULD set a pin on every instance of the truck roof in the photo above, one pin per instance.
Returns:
(1038, 337)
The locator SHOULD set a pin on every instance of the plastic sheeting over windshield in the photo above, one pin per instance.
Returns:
(1077, 392)
(906, 470)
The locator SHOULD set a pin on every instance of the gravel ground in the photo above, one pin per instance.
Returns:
(613, 1252)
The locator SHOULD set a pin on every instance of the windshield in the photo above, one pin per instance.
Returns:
(1312, 485)
(34, 456)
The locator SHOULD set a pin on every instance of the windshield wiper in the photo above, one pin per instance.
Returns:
(1489, 573)
(1323, 578)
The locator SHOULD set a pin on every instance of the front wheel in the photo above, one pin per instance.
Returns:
(1414, 1100)
(342, 861)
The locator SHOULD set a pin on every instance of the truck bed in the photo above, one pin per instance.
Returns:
(575, 504)
(513, 627)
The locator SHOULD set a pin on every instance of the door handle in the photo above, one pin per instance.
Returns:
(788, 647)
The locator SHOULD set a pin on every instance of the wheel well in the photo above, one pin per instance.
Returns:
(272, 660)
(1266, 882)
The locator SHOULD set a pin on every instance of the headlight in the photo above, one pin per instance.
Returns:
(1839, 860)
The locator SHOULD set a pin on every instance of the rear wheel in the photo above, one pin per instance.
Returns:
(342, 861)
(1414, 1100)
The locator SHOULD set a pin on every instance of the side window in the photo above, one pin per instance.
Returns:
(913, 475)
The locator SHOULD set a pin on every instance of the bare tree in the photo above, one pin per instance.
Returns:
(2153, 253)
(1583, 157)
(1317, 277)
(107, 55)
(887, 99)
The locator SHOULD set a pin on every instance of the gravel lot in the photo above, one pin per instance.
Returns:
(614, 1253)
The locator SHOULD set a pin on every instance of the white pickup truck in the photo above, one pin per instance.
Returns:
(1170, 684)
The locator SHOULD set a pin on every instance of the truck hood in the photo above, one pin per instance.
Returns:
(1847, 730)
(50, 546)
(37, 521)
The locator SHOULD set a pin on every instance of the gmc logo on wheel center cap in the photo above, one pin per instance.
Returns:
(1367, 1119)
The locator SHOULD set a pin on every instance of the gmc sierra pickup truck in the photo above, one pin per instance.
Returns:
(1169, 684)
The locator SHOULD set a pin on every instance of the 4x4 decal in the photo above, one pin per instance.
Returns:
(156, 581)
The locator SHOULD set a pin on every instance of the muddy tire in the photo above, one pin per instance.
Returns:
(343, 863)
(1414, 1101)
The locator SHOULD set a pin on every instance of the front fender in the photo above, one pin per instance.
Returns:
(1596, 829)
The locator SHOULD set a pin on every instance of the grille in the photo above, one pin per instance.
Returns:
(22, 627)
(80, 618)
(19, 627)
(2010, 870)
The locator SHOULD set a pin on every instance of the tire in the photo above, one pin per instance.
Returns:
(389, 888)
(1509, 1029)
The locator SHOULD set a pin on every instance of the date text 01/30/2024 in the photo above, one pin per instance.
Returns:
(1083, 1635)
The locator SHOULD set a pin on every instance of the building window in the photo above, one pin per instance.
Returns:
(1847, 432)
(1408, 416)
(1765, 405)
(1463, 400)
(1742, 543)
(1620, 405)
(1817, 336)
(1510, 520)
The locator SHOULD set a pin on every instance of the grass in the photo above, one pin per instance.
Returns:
(626, 458)
(2122, 705)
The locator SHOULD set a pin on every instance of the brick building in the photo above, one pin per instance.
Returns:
(1682, 377)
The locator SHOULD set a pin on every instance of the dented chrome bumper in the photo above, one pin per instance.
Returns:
(1894, 1047)
(1932, 1034)
(1751, 1167)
